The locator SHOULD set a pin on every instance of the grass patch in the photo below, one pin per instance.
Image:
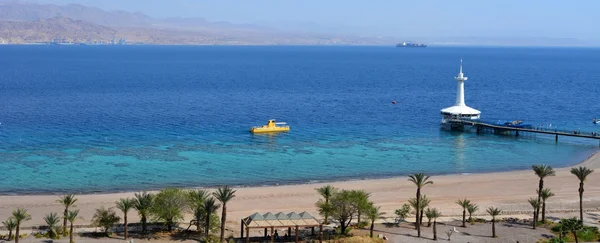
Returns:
(358, 239)
(587, 234)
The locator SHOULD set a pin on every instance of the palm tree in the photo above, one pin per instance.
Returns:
(434, 214)
(125, 204)
(472, 208)
(10, 225)
(210, 207)
(581, 172)
(326, 192)
(143, 203)
(424, 201)
(420, 180)
(464, 204)
(71, 216)
(428, 214)
(546, 193)
(224, 195)
(361, 199)
(424, 204)
(67, 201)
(197, 198)
(52, 220)
(572, 225)
(20, 215)
(542, 171)
(494, 212)
(535, 205)
(374, 213)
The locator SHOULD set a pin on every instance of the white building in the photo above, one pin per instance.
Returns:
(460, 110)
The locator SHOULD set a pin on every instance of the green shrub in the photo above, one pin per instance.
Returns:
(588, 234)
(362, 224)
(105, 219)
(402, 213)
(12, 237)
(556, 228)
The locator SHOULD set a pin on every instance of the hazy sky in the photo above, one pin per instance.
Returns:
(497, 18)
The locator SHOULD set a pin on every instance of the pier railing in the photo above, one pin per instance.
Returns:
(533, 129)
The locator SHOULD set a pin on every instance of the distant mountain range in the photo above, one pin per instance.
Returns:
(22, 22)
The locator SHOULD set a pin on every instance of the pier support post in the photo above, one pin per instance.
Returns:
(517, 133)
(478, 129)
(556, 139)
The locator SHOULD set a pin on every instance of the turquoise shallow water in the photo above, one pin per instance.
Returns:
(97, 119)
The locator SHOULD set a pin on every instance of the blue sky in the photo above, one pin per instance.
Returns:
(483, 18)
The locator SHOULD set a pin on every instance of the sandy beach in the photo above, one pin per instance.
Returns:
(506, 190)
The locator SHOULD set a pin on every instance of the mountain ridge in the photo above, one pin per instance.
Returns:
(54, 21)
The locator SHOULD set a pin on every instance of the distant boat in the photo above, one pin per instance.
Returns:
(410, 44)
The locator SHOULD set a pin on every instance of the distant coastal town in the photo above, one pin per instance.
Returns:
(68, 41)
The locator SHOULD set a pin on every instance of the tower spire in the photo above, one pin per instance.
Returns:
(460, 92)
(460, 110)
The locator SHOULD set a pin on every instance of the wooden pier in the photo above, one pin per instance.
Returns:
(481, 125)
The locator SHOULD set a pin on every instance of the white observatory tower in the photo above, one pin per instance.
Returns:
(460, 110)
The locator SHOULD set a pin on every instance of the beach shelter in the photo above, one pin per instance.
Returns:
(279, 220)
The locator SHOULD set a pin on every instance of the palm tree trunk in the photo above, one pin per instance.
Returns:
(417, 214)
(71, 234)
(580, 201)
(464, 217)
(543, 211)
(207, 226)
(537, 210)
(575, 236)
(198, 224)
(326, 211)
(358, 218)
(493, 228)
(17, 233)
(9, 234)
(144, 223)
(223, 217)
(434, 230)
(421, 217)
(64, 229)
(125, 221)
(428, 222)
(372, 226)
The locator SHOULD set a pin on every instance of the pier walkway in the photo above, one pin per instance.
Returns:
(499, 128)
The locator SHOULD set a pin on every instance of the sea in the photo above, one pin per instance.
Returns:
(92, 119)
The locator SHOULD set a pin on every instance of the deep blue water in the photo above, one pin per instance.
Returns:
(106, 118)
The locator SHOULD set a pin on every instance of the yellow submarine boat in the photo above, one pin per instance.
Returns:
(271, 127)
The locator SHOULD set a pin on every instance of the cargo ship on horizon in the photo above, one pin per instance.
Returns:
(410, 44)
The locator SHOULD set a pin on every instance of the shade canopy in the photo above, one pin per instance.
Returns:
(293, 219)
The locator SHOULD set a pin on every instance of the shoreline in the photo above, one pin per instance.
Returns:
(341, 179)
(506, 190)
